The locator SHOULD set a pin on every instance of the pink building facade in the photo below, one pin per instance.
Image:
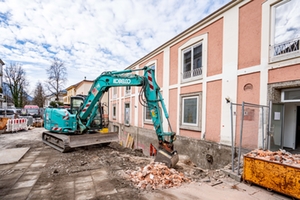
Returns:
(240, 53)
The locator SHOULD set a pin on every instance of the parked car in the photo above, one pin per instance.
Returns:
(8, 113)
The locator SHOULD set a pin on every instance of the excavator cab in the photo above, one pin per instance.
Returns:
(76, 102)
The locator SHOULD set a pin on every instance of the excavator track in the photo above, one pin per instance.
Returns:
(65, 143)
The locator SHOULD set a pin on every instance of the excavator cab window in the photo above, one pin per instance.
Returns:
(76, 102)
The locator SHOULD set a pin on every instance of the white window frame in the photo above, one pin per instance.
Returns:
(114, 92)
(148, 121)
(192, 71)
(127, 90)
(191, 126)
(201, 39)
(272, 57)
(288, 90)
(127, 124)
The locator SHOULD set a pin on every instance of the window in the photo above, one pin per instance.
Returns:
(114, 111)
(290, 95)
(115, 92)
(192, 62)
(147, 115)
(191, 111)
(285, 31)
(127, 90)
(127, 114)
(190, 105)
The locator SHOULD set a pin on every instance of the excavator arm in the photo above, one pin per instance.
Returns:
(101, 85)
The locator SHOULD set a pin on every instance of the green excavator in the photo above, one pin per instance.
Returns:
(70, 128)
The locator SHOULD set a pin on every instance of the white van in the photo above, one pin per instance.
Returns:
(8, 113)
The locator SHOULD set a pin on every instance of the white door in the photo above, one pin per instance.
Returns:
(290, 117)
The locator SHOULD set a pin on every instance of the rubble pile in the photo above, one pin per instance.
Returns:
(156, 176)
(280, 156)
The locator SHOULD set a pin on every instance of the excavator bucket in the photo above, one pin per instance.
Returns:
(170, 159)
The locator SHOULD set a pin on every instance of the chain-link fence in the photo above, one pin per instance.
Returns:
(249, 128)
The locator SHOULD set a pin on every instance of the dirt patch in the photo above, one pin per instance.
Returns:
(114, 157)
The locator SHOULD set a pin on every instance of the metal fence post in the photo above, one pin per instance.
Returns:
(241, 135)
(263, 129)
(232, 142)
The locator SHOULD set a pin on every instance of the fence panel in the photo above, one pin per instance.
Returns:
(249, 125)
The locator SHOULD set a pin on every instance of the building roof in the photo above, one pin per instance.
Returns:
(78, 84)
(81, 82)
(1, 62)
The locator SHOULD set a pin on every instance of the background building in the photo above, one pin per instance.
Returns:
(82, 88)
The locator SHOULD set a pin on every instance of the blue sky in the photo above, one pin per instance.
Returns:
(91, 36)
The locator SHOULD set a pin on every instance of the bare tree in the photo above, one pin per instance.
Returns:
(39, 95)
(15, 77)
(57, 76)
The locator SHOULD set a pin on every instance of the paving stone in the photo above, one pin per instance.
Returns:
(37, 165)
(12, 155)
(4, 191)
(84, 186)
(40, 194)
(6, 183)
(41, 186)
(18, 194)
(6, 167)
(100, 172)
(99, 175)
(30, 157)
(11, 176)
(22, 165)
(41, 160)
(69, 185)
(84, 195)
(107, 192)
(27, 159)
(24, 184)
(27, 177)
(104, 185)
(268, 196)
(83, 179)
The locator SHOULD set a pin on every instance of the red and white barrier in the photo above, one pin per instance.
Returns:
(16, 125)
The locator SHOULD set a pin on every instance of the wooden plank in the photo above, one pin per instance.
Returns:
(127, 139)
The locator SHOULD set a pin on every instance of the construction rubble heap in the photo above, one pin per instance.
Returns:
(156, 176)
(280, 156)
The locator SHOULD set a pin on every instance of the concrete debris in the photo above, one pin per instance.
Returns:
(156, 176)
(281, 156)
